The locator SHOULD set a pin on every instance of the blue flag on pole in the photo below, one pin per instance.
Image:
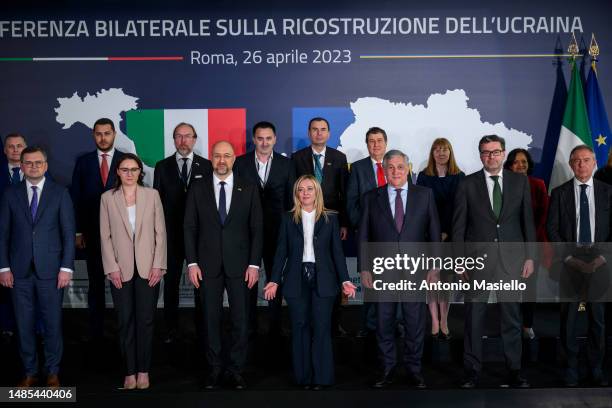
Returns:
(598, 119)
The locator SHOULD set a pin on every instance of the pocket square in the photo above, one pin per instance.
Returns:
(197, 176)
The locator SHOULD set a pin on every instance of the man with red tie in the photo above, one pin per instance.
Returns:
(366, 175)
(94, 173)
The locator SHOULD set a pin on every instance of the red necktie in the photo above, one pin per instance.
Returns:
(380, 175)
(104, 169)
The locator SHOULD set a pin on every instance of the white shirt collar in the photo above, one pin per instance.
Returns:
(578, 183)
(488, 175)
(259, 161)
(321, 153)
(110, 153)
(39, 186)
(179, 157)
(228, 181)
(391, 188)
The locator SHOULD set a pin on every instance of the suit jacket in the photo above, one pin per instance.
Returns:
(5, 177)
(335, 175)
(277, 194)
(330, 263)
(86, 190)
(360, 181)
(228, 248)
(421, 222)
(119, 243)
(167, 181)
(47, 242)
(474, 220)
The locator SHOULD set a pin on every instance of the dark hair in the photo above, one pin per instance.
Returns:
(491, 139)
(512, 157)
(104, 121)
(32, 149)
(374, 130)
(195, 134)
(264, 125)
(581, 147)
(318, 119)
(130, 156)
(11, 135)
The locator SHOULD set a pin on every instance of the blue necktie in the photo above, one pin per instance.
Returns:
(15, 178)
(222, 204)
(585, 219)
(34, 203)
(318, 172)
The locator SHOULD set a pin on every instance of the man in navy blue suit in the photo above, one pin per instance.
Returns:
(37, 233)
(398, 212)
(94, 173)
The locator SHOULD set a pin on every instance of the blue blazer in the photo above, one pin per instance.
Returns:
(48, 241)
(360, 181)
(86, 190)
(330, 261)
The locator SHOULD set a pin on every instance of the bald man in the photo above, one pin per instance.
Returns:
(223, 246)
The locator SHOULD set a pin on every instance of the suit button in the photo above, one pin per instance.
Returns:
(495, 240)
(497, 225)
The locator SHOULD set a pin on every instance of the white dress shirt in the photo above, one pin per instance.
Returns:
(131, 210)
(308, 224)
(10, 171)
(491, 184)
(179, 162)
(322, 159)
(392, 193)
(109, 157)
(263, 169)
(591, 197)
(229, 186)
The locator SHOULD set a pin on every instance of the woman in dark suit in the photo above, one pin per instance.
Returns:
(310, 265)
(520, 161)
(442, 175)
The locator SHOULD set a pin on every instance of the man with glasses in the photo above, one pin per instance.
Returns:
(172, 178)
(494, 206)
(94, 173)
(37, 234)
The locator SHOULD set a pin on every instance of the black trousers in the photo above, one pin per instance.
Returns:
(172, 280)
(211, 296)
(135, 304)
(274, 306)
(96, 295)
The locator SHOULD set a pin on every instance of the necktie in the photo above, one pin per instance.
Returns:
(34, 202)
(15, 178)
(585, 219)
(399, 210)
(497, 196)
(104, 169)
(222, 204)
(184, 171)
(380, 175)
(318, 172)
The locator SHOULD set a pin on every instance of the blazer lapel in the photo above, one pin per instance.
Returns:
(95, 170)
(599, 203)
(569, 204)
(23, 194)
(383, 203)
(369, 173)
(42, 200)
(507, 194)
(411, 197)
(112, 171)
(122, 210)
(483, 192)
(309, 160)
(141, 205)
(236, 198)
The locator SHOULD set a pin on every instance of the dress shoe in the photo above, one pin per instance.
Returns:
(28, 381)
(515, 380)
(339, 331)
(53, 381)
(417, 381)
(384, 380)
(237, 382)
(305, 387)
(319, 387)
(600, 381)
(469, 382)
(171, 336)
(213, 381)
(363, 333)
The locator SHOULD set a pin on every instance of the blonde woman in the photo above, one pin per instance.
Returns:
(310, 265)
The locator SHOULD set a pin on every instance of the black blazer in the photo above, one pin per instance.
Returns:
(360, 181)
(329, 257)
(421, 222)
(228, 248)
(86, 190)
(474, 220)
(277, 194)
(167, 181)
(335, 175)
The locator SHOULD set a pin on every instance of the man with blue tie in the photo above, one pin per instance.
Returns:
(37, 233)
(94, 173)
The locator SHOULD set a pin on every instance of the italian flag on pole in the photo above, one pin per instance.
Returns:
(574, 130)
(151, 130)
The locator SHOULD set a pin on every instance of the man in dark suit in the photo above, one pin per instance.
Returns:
(172, 177)
(494, 206)
(94, 173)
(366, 175)
(398, 212)
(223, 246)
(274, 175)
(580, 213)
(37, 260)
(330, 168)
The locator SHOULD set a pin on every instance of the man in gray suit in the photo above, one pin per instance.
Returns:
(494, 206)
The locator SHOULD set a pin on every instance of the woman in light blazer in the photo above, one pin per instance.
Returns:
(133, 236)
(310, 264)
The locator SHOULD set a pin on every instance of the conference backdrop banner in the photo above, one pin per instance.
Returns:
(420, 70)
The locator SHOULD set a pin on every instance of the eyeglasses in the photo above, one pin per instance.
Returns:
(186, 137)
(37, 163)
(491, 153)
(126, 170)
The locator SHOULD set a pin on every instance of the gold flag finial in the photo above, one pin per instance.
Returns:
(573, 49)
(594, 48)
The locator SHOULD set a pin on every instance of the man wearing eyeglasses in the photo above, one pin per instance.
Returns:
(37, 234)
(173, 176)
(94, 173)
(493, 206)
(579, 214)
